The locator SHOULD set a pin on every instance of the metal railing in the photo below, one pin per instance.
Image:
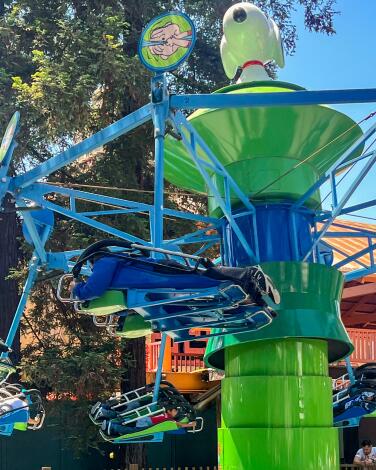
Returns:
(364, 342)
(180, 362)
(340, 383)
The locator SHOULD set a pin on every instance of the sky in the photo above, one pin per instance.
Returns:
(342, 61)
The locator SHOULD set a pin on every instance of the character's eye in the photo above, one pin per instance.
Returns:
(239, 15)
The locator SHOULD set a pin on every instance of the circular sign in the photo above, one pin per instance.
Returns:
(167, 41)
(9, 135)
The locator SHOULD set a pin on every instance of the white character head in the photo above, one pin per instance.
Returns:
(249, 37)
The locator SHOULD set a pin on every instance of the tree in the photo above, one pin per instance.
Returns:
(71, 67)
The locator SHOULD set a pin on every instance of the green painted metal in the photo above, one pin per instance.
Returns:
(276, 391)
(112, 301)
(134, 327)
(258, 145)
(277, 394)
(310, 308)
(20, 426)
(160, 427)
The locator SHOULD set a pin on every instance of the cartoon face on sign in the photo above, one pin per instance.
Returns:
(166, 42)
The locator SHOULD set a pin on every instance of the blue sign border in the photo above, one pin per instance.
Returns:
(189, 50)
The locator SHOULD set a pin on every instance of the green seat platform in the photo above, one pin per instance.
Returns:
(134, 326)
(111, 302)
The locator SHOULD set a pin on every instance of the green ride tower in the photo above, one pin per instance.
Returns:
(276, 394)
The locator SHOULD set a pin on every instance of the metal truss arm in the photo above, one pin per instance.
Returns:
(347, 210)
(336, 211)
(338, 165)
(38, 190)
(191, 143)
(97, 140)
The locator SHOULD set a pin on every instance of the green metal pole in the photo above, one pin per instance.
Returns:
(276, 394)
(277, 412)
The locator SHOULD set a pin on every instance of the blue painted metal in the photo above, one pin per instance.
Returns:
(336, 210)
(347, 234)
(278, 240)
(34, 235)
(39, 190)
(337, 165)
(296, 222)
(345, 255)
(298, 98)
(357, 274)
(160, 113)
(92, 223)
(225, 204)
(41, 218)
(109, 133)
(32, 274)
(350, 370)
(8, 144)
(158, 376)
(356, 208)
(353, 257)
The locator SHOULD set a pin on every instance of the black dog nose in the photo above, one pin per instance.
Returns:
(239, 15)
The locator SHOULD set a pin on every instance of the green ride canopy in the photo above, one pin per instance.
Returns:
(258, 145)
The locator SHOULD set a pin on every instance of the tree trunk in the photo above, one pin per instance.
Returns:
(134, 361)
(9, 256)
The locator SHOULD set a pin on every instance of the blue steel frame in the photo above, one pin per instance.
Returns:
(164, 108)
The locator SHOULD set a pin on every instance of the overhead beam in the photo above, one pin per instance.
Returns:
(359, 291)
(360, 319)
(297, 98)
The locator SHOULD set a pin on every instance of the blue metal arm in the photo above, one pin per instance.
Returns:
(296, 98)
(33, 270)
(342, 203)
(102, 137)
(158, 376)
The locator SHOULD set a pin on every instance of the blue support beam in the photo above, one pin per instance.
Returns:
(296, 98)
(37, 191)
(338, 164)
(159, 113)
(336, 210)
(356, 255)
(192, 143)
(33, 271)
(93, 223)
(357, 274)
(109, 133)
(158, 376)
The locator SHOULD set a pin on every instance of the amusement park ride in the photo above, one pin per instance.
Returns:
(261, 150)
